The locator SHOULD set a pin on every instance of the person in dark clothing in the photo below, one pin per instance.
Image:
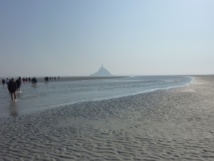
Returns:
(46, 79)
(3, 82)
(18, 84)
(34, 80)
(12, 89)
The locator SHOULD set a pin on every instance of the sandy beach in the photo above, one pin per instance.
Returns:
(173, 124)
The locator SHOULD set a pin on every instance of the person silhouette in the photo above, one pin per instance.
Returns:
(12, 89)
(18, 84)
(3, 82)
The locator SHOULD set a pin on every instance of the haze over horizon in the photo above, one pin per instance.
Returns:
(75, 37)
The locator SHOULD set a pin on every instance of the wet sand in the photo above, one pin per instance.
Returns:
(174, 124)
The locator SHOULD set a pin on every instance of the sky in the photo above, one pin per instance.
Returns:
(129, 37)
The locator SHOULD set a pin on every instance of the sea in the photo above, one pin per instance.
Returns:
(62, 92)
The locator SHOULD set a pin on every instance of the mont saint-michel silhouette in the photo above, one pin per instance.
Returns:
(102, 72)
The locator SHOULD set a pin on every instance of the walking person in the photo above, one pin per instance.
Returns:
(12, 89)
(18, 84)
(3, 82)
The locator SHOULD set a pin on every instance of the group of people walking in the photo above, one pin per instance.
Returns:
(13, 86)
(51, 78)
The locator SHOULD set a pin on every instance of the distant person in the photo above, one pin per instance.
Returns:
(3, 82)
(46, 79)
(18, 84)
(34, 80)
(12, 89)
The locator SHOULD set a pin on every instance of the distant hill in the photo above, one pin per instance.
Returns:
(102, 72)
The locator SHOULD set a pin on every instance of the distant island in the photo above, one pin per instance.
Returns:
(102, 72)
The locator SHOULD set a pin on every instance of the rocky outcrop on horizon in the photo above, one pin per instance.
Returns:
(102, 72)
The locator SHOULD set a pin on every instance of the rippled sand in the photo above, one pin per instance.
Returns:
(175, 124)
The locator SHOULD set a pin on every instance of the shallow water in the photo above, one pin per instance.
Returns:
(174, 124)
(65, 92)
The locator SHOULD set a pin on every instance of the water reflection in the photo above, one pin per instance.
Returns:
(13, 111)
(34, 85)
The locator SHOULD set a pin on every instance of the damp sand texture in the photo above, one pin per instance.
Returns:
(173, 124)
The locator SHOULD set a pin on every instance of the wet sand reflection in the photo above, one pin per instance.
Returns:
(13, 111)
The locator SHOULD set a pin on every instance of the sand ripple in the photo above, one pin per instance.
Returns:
(175, 124)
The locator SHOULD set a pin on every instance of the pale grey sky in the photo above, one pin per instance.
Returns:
(135, 37)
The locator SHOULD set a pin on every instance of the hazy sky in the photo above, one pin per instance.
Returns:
(75, 37)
